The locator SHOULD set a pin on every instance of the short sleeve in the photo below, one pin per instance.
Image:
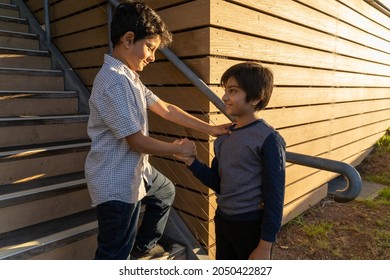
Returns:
(118, 110)
(150, 97)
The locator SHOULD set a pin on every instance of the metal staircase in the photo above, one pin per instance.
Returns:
(45, 208)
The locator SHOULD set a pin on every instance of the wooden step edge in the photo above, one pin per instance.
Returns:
(41, 151)
(5, 50)
(41, 120)
(13, 19)
(35, 247)
(17, 34)
(32, 72)
(8, 94)
(31, 120)
(39, 190)
(8, 6)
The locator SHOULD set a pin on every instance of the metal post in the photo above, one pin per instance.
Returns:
(109, 19)
(47, 21)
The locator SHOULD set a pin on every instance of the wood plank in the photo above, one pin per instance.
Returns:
(176, 18)
(179, 174)
(160, 4)
(368, 11)
(351, 136)
(328, 20)
(305, 132)
(87, 58)
(197, 204)
(34, 5)
(96, 37)
(298, 96)
(277, 117)
(65, 8)
(307, 185)
(186, 97)
(298, 76)
(235, 45)
(278, 29)
(355, 148)
(204, 231)
(77, 23)
(210, 70)
(350, 122)
(298, 206)
(88, 75)
(158, 124)
(337, 10)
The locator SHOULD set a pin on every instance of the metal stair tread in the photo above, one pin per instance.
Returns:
(23, 71)
(13, 19)
(36, 94)
(13, 194)
(10, 33)
(32, 240)
(23, 51)
(39, 150)
(41, 120)
(8, 6)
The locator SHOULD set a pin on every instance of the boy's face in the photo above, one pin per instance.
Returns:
(235, 99)
(141, 53)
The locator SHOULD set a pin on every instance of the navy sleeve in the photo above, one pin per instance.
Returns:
(273, 156)
(207, 175)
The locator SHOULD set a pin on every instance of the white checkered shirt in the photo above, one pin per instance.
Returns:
(118, 108)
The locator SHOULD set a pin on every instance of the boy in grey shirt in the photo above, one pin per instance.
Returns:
(248, 171)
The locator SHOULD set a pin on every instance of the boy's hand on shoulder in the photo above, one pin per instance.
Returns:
(188, 152)
(220, 129)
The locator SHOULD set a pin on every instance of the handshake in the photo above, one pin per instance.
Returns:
(187, 151)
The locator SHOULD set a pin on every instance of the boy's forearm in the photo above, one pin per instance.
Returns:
(144, 144)
(180, 117)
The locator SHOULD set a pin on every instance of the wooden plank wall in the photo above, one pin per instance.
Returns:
(330, 58)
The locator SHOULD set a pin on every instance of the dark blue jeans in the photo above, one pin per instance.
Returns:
(118, 221)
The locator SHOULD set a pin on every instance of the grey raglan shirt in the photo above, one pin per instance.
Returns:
(248, 175)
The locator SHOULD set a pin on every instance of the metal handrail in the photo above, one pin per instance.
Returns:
(352, 176)
(354, 182)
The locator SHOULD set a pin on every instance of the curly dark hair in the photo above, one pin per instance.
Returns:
(136, 16)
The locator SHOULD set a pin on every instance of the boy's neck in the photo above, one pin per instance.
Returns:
(244, 120)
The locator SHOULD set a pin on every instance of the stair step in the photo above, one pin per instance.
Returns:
(31, 79)
(24, 58)
(70, 237)
(14, 194)
(19, 164)
(9, 10)
(10, 39)
(18, 131)
(37, 205)
(14, 24)
(38, 103)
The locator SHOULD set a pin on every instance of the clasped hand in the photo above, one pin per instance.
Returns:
(188, 153)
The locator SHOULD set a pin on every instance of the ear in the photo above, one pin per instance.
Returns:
(254, 102)
(128, 38)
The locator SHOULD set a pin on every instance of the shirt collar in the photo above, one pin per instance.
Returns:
(119, 65)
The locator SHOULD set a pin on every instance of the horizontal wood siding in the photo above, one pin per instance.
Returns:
(330, 59)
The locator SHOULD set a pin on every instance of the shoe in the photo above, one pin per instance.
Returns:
(156, 252)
